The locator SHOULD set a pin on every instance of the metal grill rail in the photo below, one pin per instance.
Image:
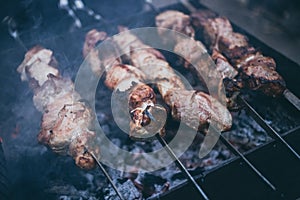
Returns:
(270, 131)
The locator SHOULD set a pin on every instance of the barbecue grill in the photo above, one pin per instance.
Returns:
(267, 170)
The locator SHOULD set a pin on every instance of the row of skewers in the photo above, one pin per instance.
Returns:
(67, 124)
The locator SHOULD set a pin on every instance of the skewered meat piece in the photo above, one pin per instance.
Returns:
(256, 70)
(176, 21)
(54, 88)
(219, 76)
(66, 120)
(35, 66)
(230, 81)
(194, 108)
(124, 79)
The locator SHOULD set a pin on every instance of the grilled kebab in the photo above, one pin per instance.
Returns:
(258, 72)
(216, 75)
(194, 108)
(66, 122)
(123, 78)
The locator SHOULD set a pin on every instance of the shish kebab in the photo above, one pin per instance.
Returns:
(194, 108)
(181, 101)
(252, 70)
(218, 75)
(67, 123)
(231, 50)
(123, 78)
(257, 72)
(126, 77)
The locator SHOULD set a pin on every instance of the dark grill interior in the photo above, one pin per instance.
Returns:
(36, 173)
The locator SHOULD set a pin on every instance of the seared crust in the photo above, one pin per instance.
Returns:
(197, 109)
(255, 70)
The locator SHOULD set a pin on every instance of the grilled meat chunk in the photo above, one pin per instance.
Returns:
(197, 109)
(176, 21)
(36, 66)
(258, 73)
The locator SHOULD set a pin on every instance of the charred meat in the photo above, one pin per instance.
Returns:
(256, 70)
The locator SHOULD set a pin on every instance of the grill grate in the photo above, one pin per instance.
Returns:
(267, 127)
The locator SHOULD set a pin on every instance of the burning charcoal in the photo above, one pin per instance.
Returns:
(127, 189)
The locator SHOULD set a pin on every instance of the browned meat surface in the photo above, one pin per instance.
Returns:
(196, 109)
(255, 70)
(259, 72)
(54, 88)
(122, 78)
(119, 73)
(230, 83)
(176, 21)
(35, 67)
(195, 52)
(223, 66)
(66, 120)
(91, 39)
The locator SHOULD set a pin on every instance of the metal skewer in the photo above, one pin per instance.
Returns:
(267, 127)
(107, 176)
(181, 166)
(292, 98)
(240, 155)
(158, 116)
